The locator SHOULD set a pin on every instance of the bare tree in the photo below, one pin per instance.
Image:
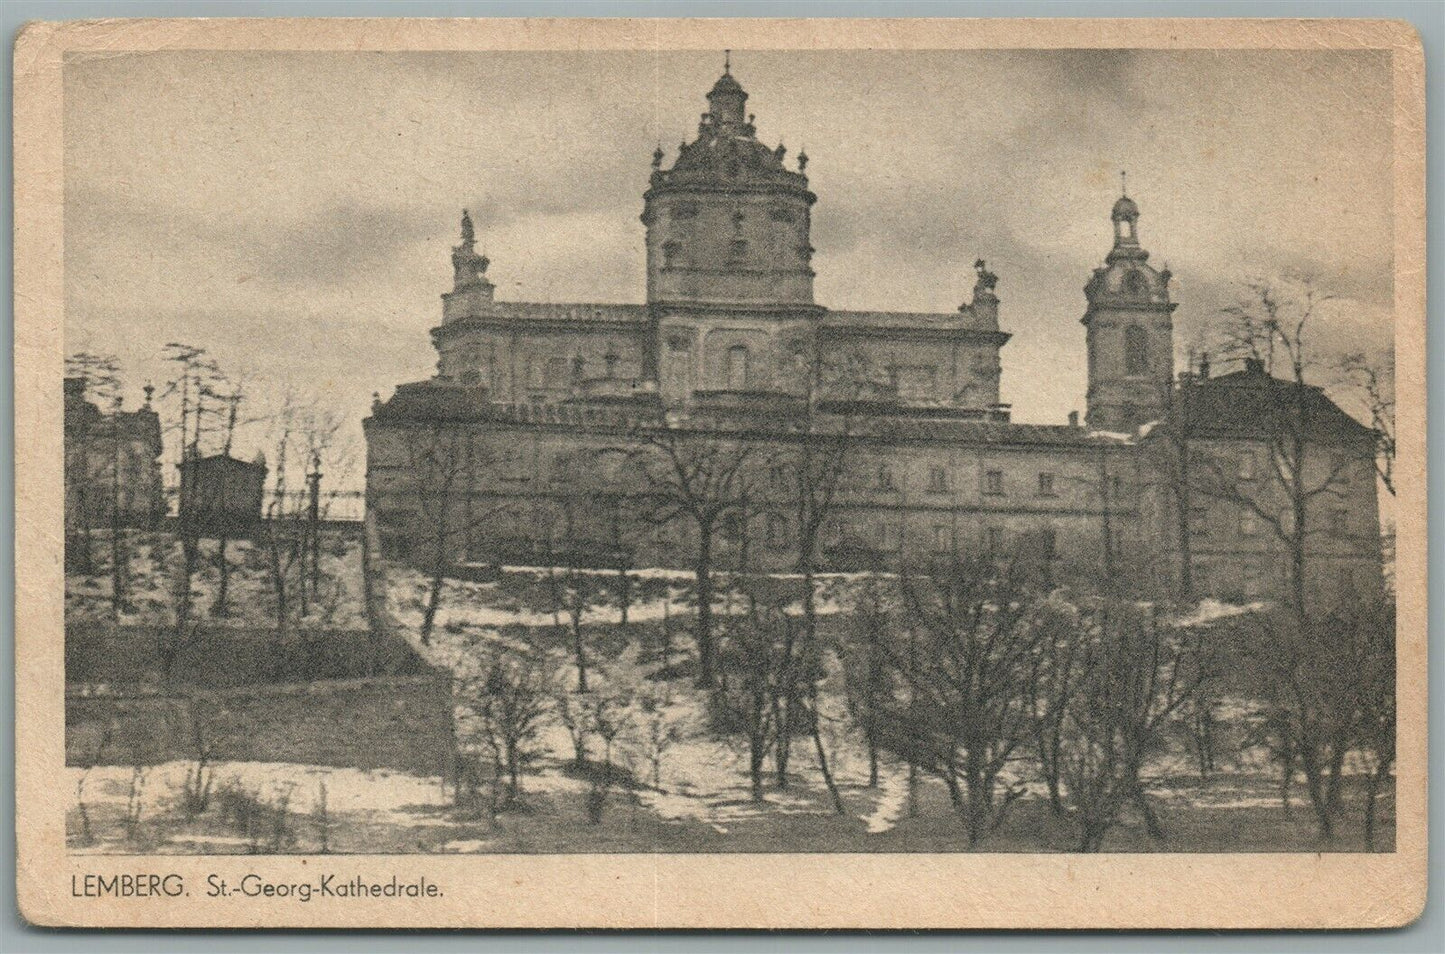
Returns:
(231, 393)
(1171, 460)
(610, 715)
(822, 452)
(1327, 689)
(865, 670)
(743, 703)
(697, 479)
(508, 701)
(101, 374)
(660, 732)
(1310, 452)
(195, 388)
(962, 703)
(1062, 645)
(1371, 628)
(572, 712)
(1373, 379)
(444, 463)
(1135, 675)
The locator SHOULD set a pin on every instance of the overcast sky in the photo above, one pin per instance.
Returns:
(294, 212)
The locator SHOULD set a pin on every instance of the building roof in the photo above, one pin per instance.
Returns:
(1251, 403)
(726, 153)
(996, 433)
(883, 320)
(563, 315)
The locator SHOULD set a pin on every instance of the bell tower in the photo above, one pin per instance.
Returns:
(1129, 331)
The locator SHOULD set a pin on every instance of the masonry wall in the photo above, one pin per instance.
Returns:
(900, 501)
(400, 722)
(1236, 554)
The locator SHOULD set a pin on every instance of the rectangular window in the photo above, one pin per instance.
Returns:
(556, 372)
(993, 483)
(993, 541)
(885, 478)
(1248, 524)
(1116, 487)
(1199, 522)
(1046, 485)
(938, 480)
(942, 538)
(1247, 464)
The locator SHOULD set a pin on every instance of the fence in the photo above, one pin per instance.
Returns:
(336, 506)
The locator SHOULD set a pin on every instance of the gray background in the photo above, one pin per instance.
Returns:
(1426, 935)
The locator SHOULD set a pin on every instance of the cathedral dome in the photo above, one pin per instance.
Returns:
(727, 153)
(726, 85)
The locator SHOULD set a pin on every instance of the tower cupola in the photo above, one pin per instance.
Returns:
(1130, 330)
(727, 99)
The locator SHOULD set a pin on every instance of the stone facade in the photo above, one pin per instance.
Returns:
(533, 440)
(112, 464)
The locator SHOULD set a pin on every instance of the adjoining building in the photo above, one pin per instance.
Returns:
(536, 433)
(112, 464)
(220, 496)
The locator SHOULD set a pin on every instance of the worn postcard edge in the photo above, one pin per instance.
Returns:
(945, 890)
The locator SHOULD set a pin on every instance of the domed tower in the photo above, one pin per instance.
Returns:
(728, 225)
(729, 273)
(1130, 331)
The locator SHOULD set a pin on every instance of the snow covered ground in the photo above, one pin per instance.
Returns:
(691, 781)
(152, 574)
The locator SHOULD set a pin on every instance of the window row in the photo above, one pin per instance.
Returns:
(1336, 522)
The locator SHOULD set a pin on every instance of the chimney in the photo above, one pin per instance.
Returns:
(1204, 366)
(1073, 418)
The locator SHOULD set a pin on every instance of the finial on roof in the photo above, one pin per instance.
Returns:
(1123, 183)
(149, 390)
(657, 157)
(727, 62)
(803, 159)
(469, 234)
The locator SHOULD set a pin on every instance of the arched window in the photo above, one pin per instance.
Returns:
(1136, 350)
(738, 368)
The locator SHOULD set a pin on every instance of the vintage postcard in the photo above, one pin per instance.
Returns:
(720, 473)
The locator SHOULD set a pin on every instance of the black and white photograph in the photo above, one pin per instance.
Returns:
(730, 451)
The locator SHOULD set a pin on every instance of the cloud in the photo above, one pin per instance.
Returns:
(295, 211)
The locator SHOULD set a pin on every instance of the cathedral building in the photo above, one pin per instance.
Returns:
(533, 438)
